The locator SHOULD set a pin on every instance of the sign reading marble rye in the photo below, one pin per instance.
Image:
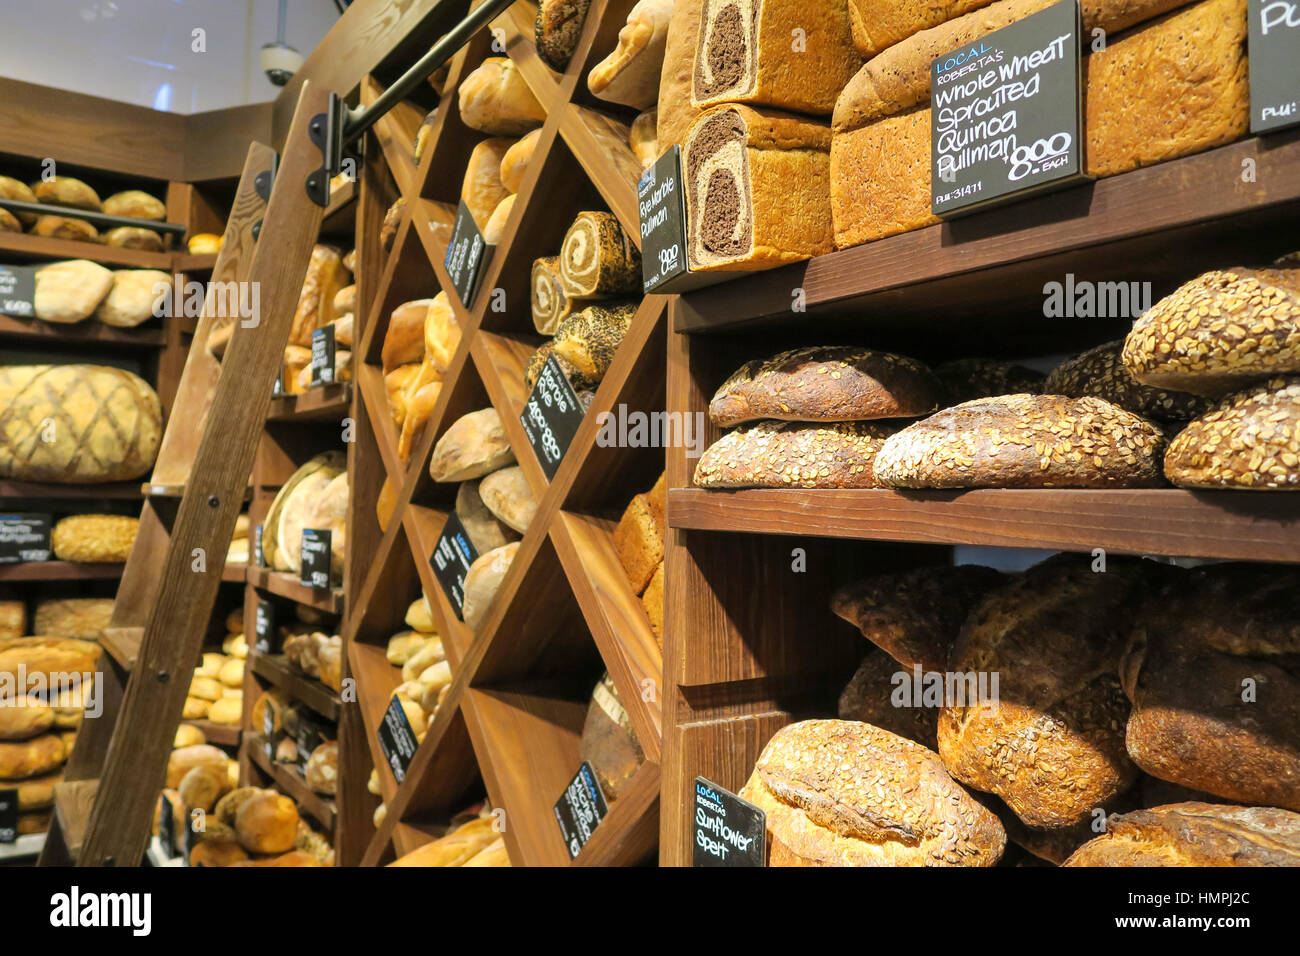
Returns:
(1005, 114)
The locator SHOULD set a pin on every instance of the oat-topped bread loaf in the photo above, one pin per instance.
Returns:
(550, 304)
(1102, 373)
(826, 384)
(598, 259)
(748, 53)
(1051, 744)
(915, 616)
(1210, 669)
(757, 189)
(795, 455)
(1250, 440)
(841, 793)
(869, 696)
(629, 75)
(589, 339)
(1220, 331)
(966, 379)
(1025, 441)
(556, 31)
(1195, 834)
(878, 24)
(76, 423)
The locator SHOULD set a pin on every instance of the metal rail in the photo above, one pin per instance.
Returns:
(94, 218)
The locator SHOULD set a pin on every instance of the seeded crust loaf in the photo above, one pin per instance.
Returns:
(757, 189)
(794, 455)
(842, 793)
(826, 384)
(1053, 747)
(965, 379)
(1251, 441)
(1210, 670)
(556, 31)
(915, 616)
(589, 339)
(1025, 441)
(1101, 372)
(878, 24)
(1195, 834)
(1220, 331)
(538, 359)
(867, 697)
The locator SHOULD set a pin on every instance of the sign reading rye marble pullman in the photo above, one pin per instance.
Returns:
(728, 831)
(18, 291)
(1005, 114)
(580, 809)
(551, 416)
(467, 255)
(24, 537)
(1274, 64)
(451, 560)
(662, 207)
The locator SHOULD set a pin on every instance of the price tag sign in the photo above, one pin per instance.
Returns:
(580, 809)
(24, 537)
(1274, 63)
(661, 207)
(167, 828)
(323, 350)
(18, 291)
(551, 416)
(467, 255)
(310, 736)
(8, 816)
(451, 560)
(729, 831)
(259, 559)
(1005, 114)
(263, 626)
(397, 739)
(315, 558)
(268, 733)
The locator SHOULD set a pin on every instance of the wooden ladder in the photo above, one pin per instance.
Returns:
(104, 808)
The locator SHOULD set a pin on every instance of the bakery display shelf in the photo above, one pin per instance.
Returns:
(192, 263)
(323, 403)
(1162, 224)
(88, 332)
(35, 490)
(154, 490)
(234, 573)
(223, 735)
(24, 247)
(59, 571)
(286, 778)
(274, 669)
(287, 585)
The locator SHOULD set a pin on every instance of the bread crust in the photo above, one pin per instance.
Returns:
(1195, 834)
(773, 454)
(1249, 441)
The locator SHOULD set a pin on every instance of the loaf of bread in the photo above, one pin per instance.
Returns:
(82, 619)
(557, 29)
(25, 718)
(1050, 742)
(483, 581)
(639, 542)
(757, 187)
(608, 743)
(134, 237)
(392, 221)
(419, 406)
(67, 191)
(184, 759)
(63, 227)
(868, 697)
(136, 204)
(205, 244)
(13, 619)
(482, 189)
(915, 616)
(789, 56)
(47, 656)
(267, 822)
(404, 337)
(322, 771)
(494, 99)
(841, 793)
(20, 759)
(396, 384)
(826, 384)
(1250, 440)
(537, 361)
(676, 114)
(282, 529)
(1101, 372)
(879, 24)
(70, 291)
(475, 445)
(1220, 332)
(652, 599)
(37, 793)
(132, 297)
(514, 164)
(8, 222)
(486, 531)
(195, 708)
(794, 455)
(456, 848)
(94, 538)
(496, 224)
(629, 75)
(598, 259)
(325, 276)
(507, 495)
(11, 188)
(643, 137)
(589, 339)
(1025, 441)
(550, 304)
(1195, 834)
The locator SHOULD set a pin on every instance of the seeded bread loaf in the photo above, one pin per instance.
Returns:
(795, 455)
(589, 339)
(1101, 372)
(826, 384)
(869, 697)
(537, 361)
(1210, 670)
(1195, 834)
(1025, 441)
(556, 31)
(1250, 440)
(94, 538)
(475, 445)
(639, 541)
(841, 793)
(966, 379)
(915, 616)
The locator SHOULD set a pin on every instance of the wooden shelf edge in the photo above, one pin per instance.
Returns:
(59, 571)
(274, 669)
(286, 585)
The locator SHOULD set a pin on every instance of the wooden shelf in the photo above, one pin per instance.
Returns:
(59, 571)
(185, 262)
(274, 669)
(15, 246)
(324, 403)
(89, 332)
(36, 489)
(287, 585)
(223, 735)
(234, 573)
(291, 783)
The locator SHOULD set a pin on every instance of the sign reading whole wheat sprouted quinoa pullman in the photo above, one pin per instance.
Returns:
(1005, 114)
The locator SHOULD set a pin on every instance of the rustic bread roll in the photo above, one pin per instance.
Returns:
(396, 384)
(507, 495)
(345, 303)
(840, 793)
(1051, 744)
(196, 708)
(342, 370)
(496, 224)
(205, 688)
(747, 53)
(1210, 671)
(180, 762)
(474, 445)
(597, 258)
(589, 339)
(676, 114)
(639, 542)
(11, 188)
(66, 191)
(629, 75)
(1025, 441)
(70, 291)
(608, 742)
(419, 617)
(970, 378)
(47, 656)
(652, 599)
(323, 769)
(404, 338)
(1219, 332)
(1195, 834)
(556, 31)
(878, 24)
(868, 697)
(915, 616)
(1101, 372)
(1251, 440)
(343, 329)
(267, 822)
(486, 531)
(64, 227)
(483, 581)
(514, 164)
(136, 204)
(494, 99)
(25, 718)
(134, 237)
(94, 538)
(202, 787)
(217, 853)
(82, 619)
(231, 673)
(482, 189)
(424, 652)
(826, 384)
(642, 138)
(794, 455)
(187, 735)
(37, 793)
(757, 186)
(296, 358)
(204, 244)
(133, 297)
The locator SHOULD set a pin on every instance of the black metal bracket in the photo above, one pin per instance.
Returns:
(262, 185)
(326, 132)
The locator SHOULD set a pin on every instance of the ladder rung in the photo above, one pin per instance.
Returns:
(123, 644)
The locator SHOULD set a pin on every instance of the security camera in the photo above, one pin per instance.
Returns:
(279, 62)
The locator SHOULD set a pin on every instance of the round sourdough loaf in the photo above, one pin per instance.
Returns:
(826, 384)
(1195, 834)
(915, 616)
(267, 822)
(65, 227)
(132, 298)
(70, 291)
(507, 495)
(842, 793)
(1251, 440)
(66, 191)
(1025, 441)
(473, 446)
(47, 656)
(31, 758)
(136, 204)
(1101, 372)
(794, 455)
(134, 237)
